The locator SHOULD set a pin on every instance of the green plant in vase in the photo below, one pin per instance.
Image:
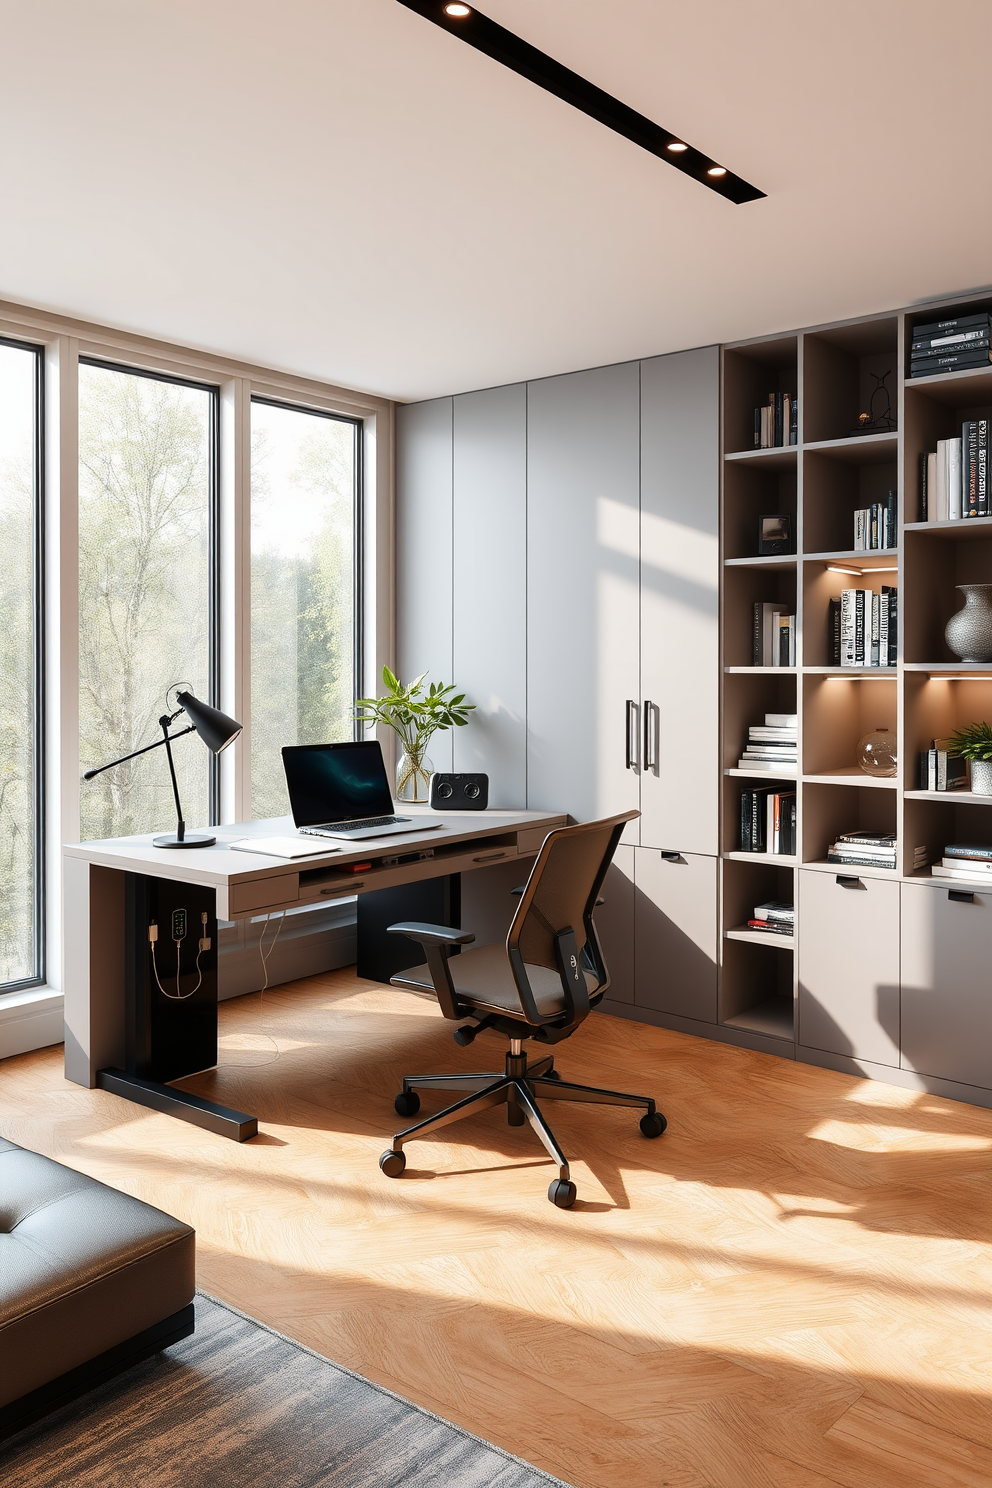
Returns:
(414, 714)
(975, 743)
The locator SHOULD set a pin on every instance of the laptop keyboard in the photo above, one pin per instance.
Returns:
(354, 826)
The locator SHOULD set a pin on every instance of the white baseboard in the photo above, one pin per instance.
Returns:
(30, 1020)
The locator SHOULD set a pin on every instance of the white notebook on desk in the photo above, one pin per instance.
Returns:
(285, 847)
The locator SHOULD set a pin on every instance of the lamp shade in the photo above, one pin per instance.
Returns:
(215, 728)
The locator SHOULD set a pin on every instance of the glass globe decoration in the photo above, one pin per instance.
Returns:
(877, 753)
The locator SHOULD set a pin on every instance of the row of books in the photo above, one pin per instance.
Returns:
(863, 628)
(777, 422)
(940, 770)
(773, 635)
(964, 860)
(875, 525)
(870, 850)
(772, 745)
(948, 345)
(954, 478)
(768, 821)
(777, 917)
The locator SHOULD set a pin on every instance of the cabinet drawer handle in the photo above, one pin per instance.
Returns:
(961, 896)
(849, 881)
(490, 857)
(672, 857)
(652, 726)
(344, 888)
(631, 733)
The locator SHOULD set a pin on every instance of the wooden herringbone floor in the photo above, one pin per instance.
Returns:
(791, 1289)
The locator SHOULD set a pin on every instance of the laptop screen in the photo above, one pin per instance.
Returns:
(336, 782)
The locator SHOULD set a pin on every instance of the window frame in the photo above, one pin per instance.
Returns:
(39, 678)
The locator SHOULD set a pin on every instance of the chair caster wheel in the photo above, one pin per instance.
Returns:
(407, 1103)
(653, 1126)
(392, 1163)
(562, 1194)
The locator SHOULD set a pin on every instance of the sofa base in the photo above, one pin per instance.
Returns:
(75, 1382)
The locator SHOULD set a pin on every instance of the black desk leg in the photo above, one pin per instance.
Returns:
(433, 901)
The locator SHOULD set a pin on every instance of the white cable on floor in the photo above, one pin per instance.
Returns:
(264, 954)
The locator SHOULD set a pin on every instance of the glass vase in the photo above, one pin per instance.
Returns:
(877, 753)
(413, 778)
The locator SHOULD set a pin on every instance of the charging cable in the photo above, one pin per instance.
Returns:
(203, 945)
(264, 954)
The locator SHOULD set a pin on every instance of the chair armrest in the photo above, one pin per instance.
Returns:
(432, 935)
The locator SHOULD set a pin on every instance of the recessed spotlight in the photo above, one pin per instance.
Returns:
(457, 10)
(717, 170)
(677, 146)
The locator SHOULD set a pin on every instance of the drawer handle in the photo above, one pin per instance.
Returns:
(961, 896)
(344, 888)
(672, 857)
(849, 881)
(490, 857)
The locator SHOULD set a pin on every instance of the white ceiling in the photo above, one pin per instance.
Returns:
(338, 188)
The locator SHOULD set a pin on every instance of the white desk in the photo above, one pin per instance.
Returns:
(243, 884)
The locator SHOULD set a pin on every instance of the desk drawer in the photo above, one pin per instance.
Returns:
(265, 893)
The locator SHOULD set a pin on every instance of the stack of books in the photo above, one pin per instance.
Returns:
(773, 635)
(940, 770)
(777, 917)
(768, 821)
(772, 746)
(962, 860)
(863, 627)
(949, 345)
(870, 850)
(777, 423)
(954, 478)
(875, 525)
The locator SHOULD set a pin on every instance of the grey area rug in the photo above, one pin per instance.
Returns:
(239, 1406)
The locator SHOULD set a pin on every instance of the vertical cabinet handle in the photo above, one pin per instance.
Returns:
(652, 724)
(631, 734)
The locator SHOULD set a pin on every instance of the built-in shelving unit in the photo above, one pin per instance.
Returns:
(819, 483)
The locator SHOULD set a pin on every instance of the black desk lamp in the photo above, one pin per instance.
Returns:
(216, 730)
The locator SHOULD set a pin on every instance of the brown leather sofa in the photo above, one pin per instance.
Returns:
(91, 1281)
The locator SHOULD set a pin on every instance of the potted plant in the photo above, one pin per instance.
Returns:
(975, 743)
(414, 715)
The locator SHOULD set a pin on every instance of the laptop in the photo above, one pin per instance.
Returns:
(341, 790)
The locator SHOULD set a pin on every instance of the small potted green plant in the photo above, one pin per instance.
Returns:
(414, 715)
(975, 743)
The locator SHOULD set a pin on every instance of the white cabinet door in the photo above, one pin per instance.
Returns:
(849, 965)
(680, 573)
(675, 933)
(946, 1004)
(582, 588)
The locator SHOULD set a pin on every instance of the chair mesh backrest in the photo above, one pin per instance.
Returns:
(567, 874)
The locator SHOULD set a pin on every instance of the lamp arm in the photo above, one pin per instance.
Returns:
(134, 755)
(166, 740)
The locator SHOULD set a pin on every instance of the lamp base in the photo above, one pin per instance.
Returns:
(192, 839)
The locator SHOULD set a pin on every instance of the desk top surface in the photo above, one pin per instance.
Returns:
(222, 865)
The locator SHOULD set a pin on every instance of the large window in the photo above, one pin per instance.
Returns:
(147, 590)
(20, 666)
(305, 551)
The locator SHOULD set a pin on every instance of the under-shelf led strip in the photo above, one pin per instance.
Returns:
(471, 26)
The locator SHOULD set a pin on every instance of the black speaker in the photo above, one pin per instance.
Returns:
(459, 792)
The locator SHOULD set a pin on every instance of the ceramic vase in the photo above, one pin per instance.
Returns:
(981, 777)
(969, 632)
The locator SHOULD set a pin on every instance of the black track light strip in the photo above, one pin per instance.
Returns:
(513, 52)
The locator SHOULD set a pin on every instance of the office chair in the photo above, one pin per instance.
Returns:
(540, 985)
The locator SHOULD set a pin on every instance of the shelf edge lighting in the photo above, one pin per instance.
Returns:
(503, 46)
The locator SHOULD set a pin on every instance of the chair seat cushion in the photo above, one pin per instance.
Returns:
(482, 976)
(82, 1269)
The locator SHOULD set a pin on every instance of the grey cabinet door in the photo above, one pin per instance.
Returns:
(680, 573)
(675, 934)
(946, 992)
(489, 576)
(582, 588)
(849, 965)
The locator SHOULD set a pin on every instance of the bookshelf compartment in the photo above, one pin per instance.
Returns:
(828, 810)
(743, 588)
(821, 584)
(746, 700)
(839, 368)
(834, 489)
(754, 491)
(756, 992)
(935, 707)
(837, 712)
(933, 569)
(750, 373)
(936, 822)
(745, 886)
(929, 418)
